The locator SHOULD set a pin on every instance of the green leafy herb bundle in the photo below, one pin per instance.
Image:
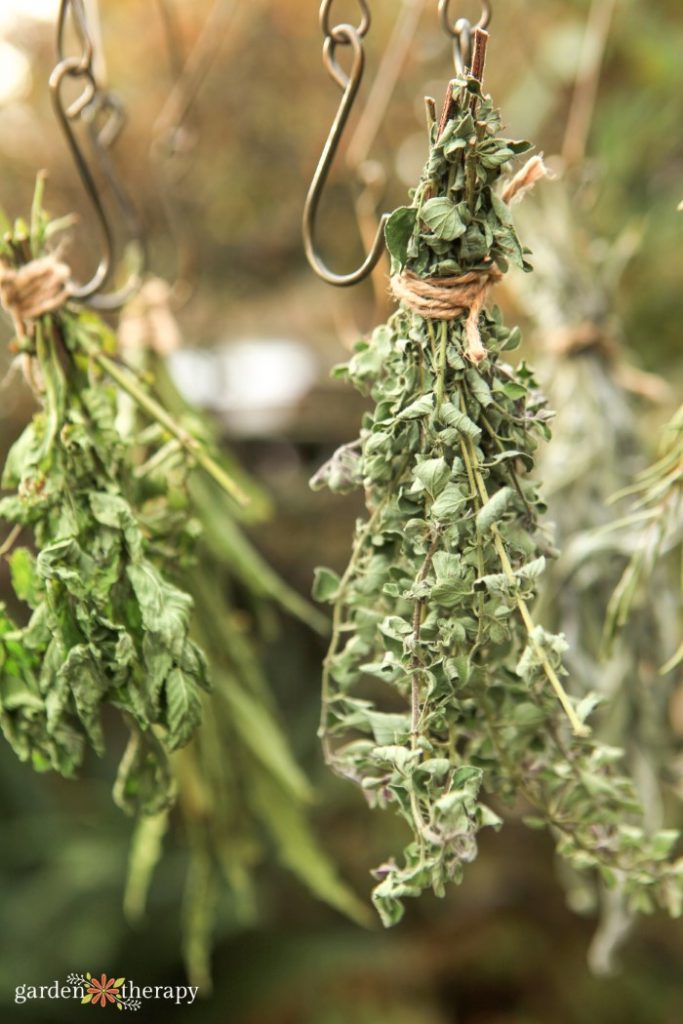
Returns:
(125, 551)
(105, 627)
(441, 696)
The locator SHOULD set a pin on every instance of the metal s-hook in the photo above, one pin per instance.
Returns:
(77, 9)
(349, 82)
(330, 31)
(104, 119)
(71, 67)
(451, 28)
(91, 106)
(461, 32)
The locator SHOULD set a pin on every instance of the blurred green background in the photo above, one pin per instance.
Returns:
(260, 336)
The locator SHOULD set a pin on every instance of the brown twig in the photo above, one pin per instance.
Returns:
(481, 42)
(447, 109)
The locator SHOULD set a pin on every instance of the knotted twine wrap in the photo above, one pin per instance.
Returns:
(29, 292)
(447, 298)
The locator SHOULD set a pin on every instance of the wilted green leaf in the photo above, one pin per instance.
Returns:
(442, 216)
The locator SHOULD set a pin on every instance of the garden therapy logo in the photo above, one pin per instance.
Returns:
(122, 993)
(106, 990)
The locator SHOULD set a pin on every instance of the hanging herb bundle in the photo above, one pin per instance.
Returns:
(597, 448)
(440, 693)
(106, 628)
(652, 534)
(240, 790)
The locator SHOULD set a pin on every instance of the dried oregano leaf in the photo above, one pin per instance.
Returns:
(441, 697)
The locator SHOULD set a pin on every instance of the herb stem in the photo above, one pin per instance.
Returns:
(514, 479)
(480, 559)
(432, 342)
(578, 727)
(441, 379)
(128, 384)
(10, 540)
(157, 460)
(417, 627)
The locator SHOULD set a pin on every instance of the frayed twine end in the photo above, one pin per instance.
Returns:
(475, 351)
(29, 292)
(525, 179)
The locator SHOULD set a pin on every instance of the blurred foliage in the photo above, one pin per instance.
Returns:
(504, 949)
(597, 448)
(241, 793)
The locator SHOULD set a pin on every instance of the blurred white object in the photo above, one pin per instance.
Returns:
(15, 67)
(255, 385)
(15, 73)
(12, 11)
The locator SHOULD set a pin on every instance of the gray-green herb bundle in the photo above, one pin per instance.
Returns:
(653, 535)
(106, 628)
(599, 443)
(441, 696)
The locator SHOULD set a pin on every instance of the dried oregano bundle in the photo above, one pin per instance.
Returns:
(104, 626)
(441, 696)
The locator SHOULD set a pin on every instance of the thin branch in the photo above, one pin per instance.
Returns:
(587, 81)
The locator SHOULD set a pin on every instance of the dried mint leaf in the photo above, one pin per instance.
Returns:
(105, 627)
